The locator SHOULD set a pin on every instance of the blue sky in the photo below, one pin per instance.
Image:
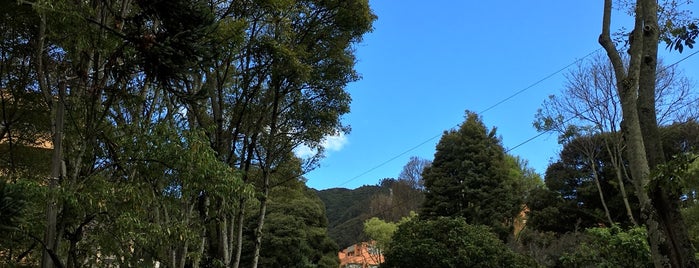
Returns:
(425, 63)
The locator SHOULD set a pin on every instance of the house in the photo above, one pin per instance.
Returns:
(361, 255)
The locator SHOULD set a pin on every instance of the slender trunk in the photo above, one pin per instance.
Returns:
(624, 195)
(49, 241)
(239, 238)
(231, 235)
(601, 193)
(261, 221)
(50, 233)
(270, 154)
(615, 157)
(246, 163)
(7, 128)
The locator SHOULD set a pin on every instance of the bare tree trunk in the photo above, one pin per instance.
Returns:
(58, 110)
(249, 150)
(50, 233)
(622, 188)
(270, 154)
(601, 193)
(239, 239)
(261, 221)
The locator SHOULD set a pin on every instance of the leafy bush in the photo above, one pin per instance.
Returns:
(449, 242)
(611, 247)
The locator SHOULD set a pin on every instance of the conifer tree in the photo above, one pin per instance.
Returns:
(469, 178)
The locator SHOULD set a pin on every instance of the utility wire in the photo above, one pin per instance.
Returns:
(480, 113)
(387, 210)
(497, 104)
(539, 82)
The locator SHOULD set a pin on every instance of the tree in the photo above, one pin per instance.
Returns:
(588, 105)
(412, 172)
(571, 200)
(296, 231)
(449, 242)
(279, 85)
(380, 231)
(397, 199)
(176, 102)
(636, 88)
(527, 177)
(469, 177)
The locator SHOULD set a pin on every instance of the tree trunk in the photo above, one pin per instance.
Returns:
(50, 233)
(239, 238)
(666, 230)
(261, 221)
(677, 246)
(271, 146)
(599, 190)
(619, 170)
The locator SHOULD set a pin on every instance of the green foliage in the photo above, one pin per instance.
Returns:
(397, 198)
(470, 177)
(296, 230)
(12, 205)
(449, 242)
(611, 247)
(527, 177)
(380, 231)
(675, 175)
(571, 199)
(165, 100)
(681, 36)
(546, 248)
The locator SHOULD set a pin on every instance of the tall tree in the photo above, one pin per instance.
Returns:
(469, 177)
(280, 86)
(636, 87)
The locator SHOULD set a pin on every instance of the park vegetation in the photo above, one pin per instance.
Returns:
(136, 133)
(144, 132)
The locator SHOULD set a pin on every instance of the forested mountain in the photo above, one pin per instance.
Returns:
(390, 200)
(346, 211)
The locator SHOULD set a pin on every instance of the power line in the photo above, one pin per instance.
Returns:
(539, 82)
(577, 115)
(395, 205)
(480, 113)
(497, 104)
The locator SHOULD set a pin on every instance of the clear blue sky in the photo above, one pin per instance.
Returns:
(425, 63)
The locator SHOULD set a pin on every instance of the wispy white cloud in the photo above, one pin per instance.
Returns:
(332, 143)
(335, 143)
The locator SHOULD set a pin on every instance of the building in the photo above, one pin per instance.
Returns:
(361, 255)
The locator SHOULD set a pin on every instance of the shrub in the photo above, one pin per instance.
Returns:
(449, 242)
